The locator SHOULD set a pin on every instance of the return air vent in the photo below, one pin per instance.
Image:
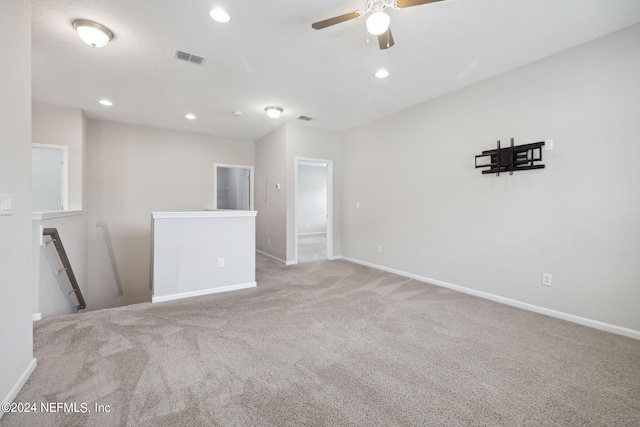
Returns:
(189, 57)
(305, 118)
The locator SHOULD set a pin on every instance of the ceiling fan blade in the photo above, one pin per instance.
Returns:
(385, 40)
(410, 3)
(333, 21)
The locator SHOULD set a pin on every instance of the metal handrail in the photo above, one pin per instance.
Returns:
(57, 242)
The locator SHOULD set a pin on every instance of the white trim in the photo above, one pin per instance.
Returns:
(209, 291)
(619, 330)
(329, 231)
(271, 256)
(203, 214)
(215, 183)
(20, 383)
(43, 216)
(65, 169)
(312, 233)
(335, 258)
(36, 316)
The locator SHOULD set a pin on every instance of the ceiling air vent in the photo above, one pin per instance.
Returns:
(305, 118)
(189, 57)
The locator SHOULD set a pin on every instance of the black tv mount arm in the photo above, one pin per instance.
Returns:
(512, 158)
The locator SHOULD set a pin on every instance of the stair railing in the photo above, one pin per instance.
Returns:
(66, 264)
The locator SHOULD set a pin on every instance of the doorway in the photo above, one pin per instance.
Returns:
(49, 177)
(313, 209)
(232, 187)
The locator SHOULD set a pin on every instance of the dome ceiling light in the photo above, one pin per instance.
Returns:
(273, 111)
(92, 33)
(219, 15)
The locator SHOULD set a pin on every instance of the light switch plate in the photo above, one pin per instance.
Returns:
(6, 204)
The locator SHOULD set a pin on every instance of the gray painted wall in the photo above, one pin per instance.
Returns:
(136, 170)
(16, 327)
(275, 164)
(271, 204)
(579, 219)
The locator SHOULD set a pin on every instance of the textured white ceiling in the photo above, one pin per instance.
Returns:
(268, 54)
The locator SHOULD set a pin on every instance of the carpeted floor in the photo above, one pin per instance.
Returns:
(312, 247)
(330, 343)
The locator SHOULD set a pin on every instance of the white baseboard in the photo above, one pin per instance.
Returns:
(277, 259)
(337, 257)
(271, 256)
(312, 233)
(20, 383)
(209, 291)
(36, 316)
(619, 330)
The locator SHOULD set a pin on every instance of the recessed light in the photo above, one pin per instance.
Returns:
(190, 116)
(237, 113)
(382, 73)
(219, 15)
(106, 102)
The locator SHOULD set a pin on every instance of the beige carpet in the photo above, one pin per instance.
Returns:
(312, 247)
(329, 344)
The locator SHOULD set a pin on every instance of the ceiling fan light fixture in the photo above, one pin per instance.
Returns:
(378, 23)
(92, 33)
(273, 111)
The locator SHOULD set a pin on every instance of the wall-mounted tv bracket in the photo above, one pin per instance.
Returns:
(512, 158)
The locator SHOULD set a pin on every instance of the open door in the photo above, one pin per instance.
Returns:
(313, 209)
(233, 187)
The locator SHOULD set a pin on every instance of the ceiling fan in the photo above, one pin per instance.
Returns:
(378, 21)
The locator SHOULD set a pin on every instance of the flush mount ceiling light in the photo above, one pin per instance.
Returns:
(273, 112)
(382, 73)
(219, 15)
(106, 102)
(190, 116)
(92, 33)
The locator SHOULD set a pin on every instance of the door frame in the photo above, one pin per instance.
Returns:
(215, 182)
(329, 163)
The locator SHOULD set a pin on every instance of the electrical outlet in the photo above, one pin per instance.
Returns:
(220, 262)
(268, 240)
(357, 205)
(548, 144)
(546, 279)
(379, 249)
